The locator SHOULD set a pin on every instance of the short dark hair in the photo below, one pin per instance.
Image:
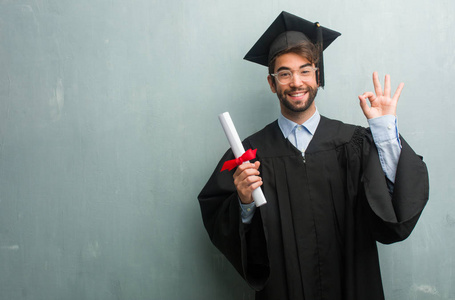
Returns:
(307, 50)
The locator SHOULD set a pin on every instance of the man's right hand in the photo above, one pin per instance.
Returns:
(246, 180)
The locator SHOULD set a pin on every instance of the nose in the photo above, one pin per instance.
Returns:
(296, 81)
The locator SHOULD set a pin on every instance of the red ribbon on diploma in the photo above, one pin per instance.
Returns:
(231, 164)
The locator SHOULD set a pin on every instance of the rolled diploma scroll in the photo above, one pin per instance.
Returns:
(238, 150)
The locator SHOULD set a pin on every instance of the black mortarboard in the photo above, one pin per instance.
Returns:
(287, 31)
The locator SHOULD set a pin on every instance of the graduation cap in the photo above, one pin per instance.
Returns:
(288, 31)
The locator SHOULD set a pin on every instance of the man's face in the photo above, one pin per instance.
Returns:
(296, 96)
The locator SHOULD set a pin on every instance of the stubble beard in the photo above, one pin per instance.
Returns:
(312, 92)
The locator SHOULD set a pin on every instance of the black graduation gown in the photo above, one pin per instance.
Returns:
(316, 236)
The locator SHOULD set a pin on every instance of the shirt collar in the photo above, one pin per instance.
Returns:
(287, 126)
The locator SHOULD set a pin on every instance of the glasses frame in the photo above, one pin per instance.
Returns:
(292, 74)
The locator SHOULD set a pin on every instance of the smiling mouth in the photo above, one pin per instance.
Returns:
(298, 94)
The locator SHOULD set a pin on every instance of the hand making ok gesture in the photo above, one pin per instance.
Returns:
(381, 103)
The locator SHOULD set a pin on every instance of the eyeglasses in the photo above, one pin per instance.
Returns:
(286, 76)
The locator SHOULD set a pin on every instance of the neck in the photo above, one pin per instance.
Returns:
(298, 117)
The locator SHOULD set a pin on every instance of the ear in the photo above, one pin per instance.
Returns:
(271, 84)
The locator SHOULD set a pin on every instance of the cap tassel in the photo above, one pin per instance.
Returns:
(319, 42)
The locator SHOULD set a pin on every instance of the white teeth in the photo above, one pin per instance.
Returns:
(297, 95)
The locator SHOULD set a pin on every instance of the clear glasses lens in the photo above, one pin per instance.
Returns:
(286, 76)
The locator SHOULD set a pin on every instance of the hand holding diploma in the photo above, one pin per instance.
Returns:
(246, 177)
(247, 180)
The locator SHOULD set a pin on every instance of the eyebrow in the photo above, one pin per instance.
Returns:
(286, 68)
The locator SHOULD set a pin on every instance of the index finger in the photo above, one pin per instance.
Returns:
(245, 166)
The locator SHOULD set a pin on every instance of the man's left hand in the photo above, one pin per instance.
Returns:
(381, 103)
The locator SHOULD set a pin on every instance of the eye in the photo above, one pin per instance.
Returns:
(284, 74)
(305, 72)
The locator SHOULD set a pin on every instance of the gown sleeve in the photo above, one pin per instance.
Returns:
(392, 217)
(243, 245)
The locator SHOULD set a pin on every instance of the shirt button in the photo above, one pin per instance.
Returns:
(390, 126)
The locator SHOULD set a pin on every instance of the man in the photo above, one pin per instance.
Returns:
(332, 189)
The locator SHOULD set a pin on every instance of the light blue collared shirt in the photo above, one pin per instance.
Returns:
(385, 135)
(299, 135)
